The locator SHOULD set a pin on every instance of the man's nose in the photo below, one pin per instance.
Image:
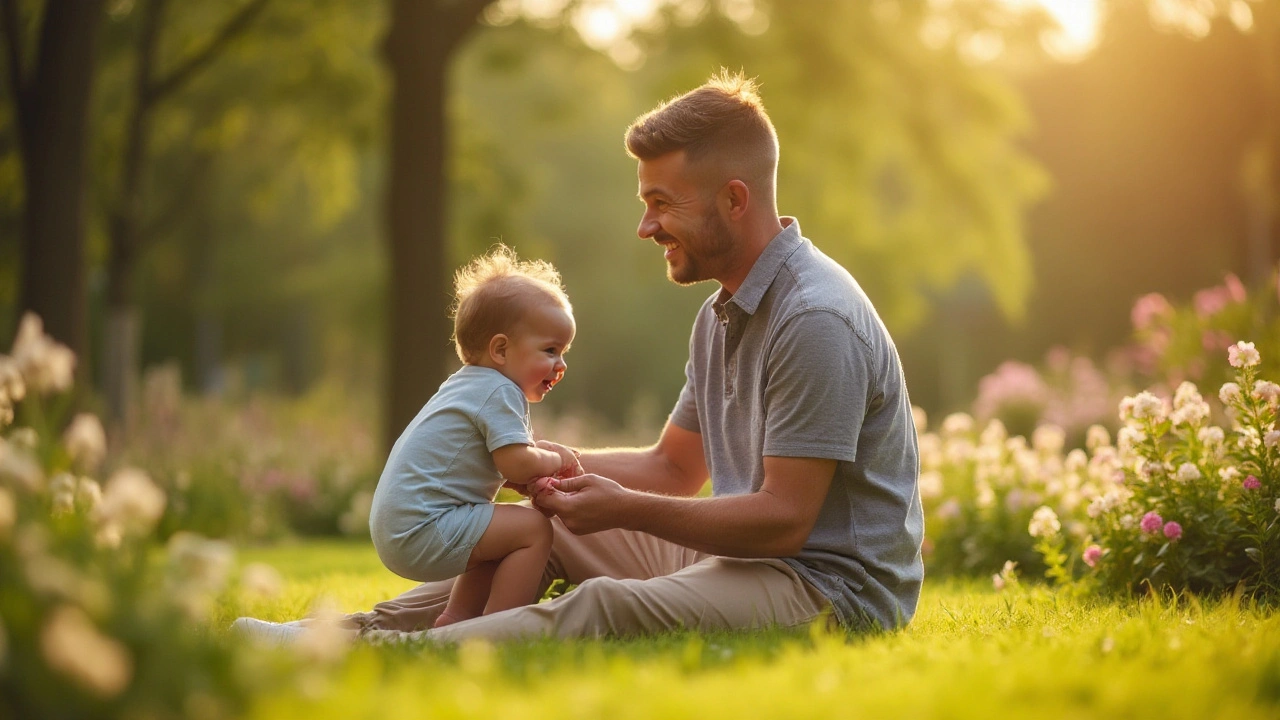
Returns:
(649, 225)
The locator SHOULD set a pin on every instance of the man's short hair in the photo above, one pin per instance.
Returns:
(492, 294)
(723, 120)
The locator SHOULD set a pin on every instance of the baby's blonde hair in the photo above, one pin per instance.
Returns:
(492, 293)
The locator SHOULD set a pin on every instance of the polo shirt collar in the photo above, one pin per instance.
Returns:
(766, 268)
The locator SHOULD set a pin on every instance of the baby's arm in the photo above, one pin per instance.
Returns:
(521, 464)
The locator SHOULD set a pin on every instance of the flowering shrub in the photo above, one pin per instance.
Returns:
(92, 622)
(1185, 342)
(1196, 506)
(982, 490)
(1071, 393)
(258, 469)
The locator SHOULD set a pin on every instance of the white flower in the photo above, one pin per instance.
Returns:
(198, 569)
(47, 365)
(73, 646)
(1229, 393)
(958, 450)
(1211, 435)
(1044, 522)
(1048, 439)
(261, 580)
(86, 441)
(19, 468)
(1278, 505)
(1242, 355)
(1190, 414)
(1186, 394)
(1266, 390)
(1188, 472)
(88, 494)
(1076, 460)
(1007, 576)
(1147, 405)
(930, 484)
(994, 434)
(986, 497)
(920, 418)
(1271, 439)
(1126, 409)
(12, 387)
(957, 424)
(1096, 437)
(132, 501)
(1229, 473)
(327, 637)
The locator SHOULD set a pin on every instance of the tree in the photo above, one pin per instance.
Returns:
(422, 40)
(52, 98)
(127, 228)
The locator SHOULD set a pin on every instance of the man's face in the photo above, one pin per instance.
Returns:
(681, 216)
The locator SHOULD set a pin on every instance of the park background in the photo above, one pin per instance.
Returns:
(239, 220)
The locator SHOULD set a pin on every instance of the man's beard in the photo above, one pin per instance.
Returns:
(705, 253)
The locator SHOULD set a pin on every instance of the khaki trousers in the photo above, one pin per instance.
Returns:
(629, 583)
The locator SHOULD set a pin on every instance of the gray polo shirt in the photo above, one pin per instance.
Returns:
(798, 364)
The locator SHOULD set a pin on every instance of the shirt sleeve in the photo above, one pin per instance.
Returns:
(504, 418)
(685, 413)
(816, 393)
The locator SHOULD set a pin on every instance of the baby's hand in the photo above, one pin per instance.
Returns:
(569, 465)
(542, 486)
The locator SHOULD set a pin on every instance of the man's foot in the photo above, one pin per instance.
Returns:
(268, 632)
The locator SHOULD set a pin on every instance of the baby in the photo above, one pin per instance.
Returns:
(433, 514)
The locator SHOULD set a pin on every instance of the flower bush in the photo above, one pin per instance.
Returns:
(257, 469)
(981, 491)
(94, 622)
(1185, 342)
(1196, 506)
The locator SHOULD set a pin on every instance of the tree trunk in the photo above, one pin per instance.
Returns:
(54, 117)
(419, 46)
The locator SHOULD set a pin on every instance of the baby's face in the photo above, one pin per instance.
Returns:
(535, 356)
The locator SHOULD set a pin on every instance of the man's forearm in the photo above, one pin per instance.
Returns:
(747, 526)
(641, 469)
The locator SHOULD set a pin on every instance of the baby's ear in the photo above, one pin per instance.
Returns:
(498, 349)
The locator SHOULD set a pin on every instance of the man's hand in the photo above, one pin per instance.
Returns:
(569, 465)
(587, 503)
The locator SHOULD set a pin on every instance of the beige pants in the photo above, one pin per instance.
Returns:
(629, 583)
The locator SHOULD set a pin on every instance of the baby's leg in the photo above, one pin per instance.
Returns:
(505, 568)
(469, 594)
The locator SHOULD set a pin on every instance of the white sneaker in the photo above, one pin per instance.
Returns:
(268, 633)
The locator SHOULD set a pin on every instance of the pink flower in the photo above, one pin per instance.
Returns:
(1172, 530)
(1212, 301)
(1148, 308)
(1251, 483)
(1091, 555)
(1151, 522)
(1242, 354)
(1235, 288)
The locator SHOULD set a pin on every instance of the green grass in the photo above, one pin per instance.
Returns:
(971, 653)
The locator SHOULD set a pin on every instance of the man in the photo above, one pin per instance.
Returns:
(794, 404)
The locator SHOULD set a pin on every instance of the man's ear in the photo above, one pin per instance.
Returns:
(498, 345)
(737, 198)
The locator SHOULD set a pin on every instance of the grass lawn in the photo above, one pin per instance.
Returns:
(970, 653)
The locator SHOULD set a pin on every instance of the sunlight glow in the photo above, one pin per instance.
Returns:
(1078, 23)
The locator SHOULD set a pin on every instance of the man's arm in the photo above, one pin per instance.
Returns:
(673, 466)
(773, 522)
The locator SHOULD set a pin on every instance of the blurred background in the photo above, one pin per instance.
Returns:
(243, 215)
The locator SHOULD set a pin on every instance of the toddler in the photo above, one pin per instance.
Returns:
(433, 515)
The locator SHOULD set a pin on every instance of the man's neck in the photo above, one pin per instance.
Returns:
(756, 239)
